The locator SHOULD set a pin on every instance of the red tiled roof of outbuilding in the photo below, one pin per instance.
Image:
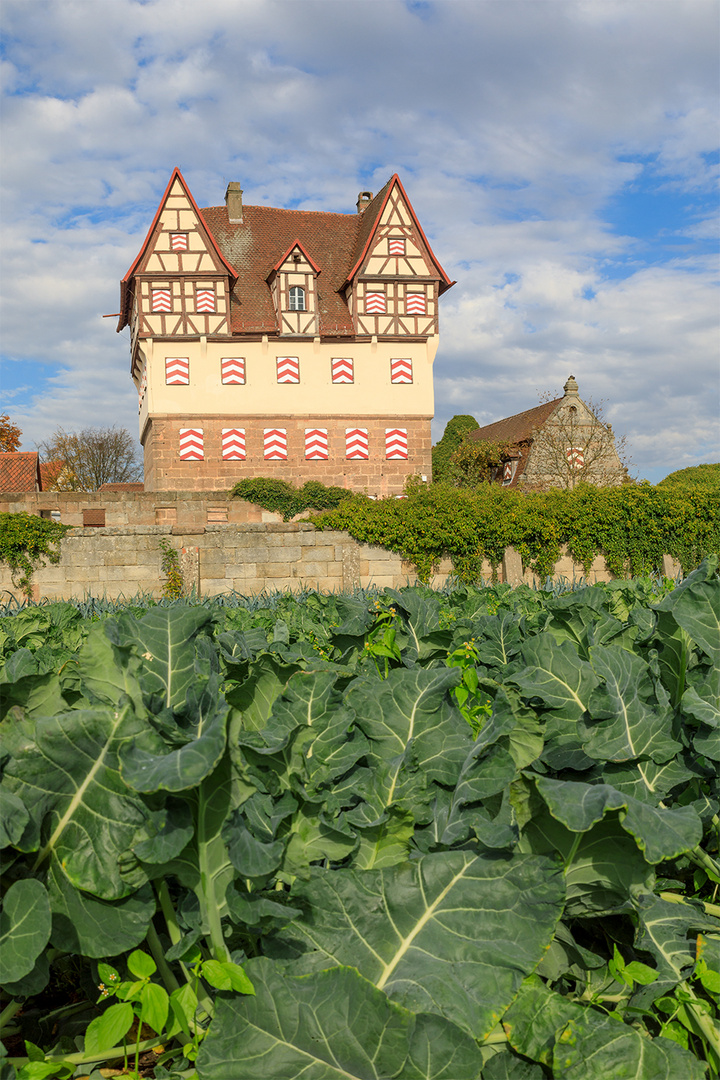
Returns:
(518, 428)
(20, 471)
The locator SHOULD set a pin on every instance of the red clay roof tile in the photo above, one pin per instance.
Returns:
(20, 471)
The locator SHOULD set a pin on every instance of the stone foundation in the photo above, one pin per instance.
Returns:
(377, 476)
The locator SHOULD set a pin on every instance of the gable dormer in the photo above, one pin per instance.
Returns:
(293, 285)
(180, 283)
(394, 285)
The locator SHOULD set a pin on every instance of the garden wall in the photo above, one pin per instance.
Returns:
(215, 558)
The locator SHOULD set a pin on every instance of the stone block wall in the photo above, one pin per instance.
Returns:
(183, 509)
(377, 475)
(122, 561)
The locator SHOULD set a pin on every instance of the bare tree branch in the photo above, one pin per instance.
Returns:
(93, 457)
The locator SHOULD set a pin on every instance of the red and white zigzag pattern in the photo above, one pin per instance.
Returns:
(205, 299)
(179, 241)
(316, 443)
(288, 369)
(191, 444)
(396, 443)
(275, 444)
(161, 300)
(232, 369)
(396, 245)
(576, 457)
(343, 371)
(356, 443)
(375, 303)
(177, 370)
(415, 303)
(233, 444)
(401, 371)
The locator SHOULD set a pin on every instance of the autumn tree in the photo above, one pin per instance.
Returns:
(9, 435)
(93, 457)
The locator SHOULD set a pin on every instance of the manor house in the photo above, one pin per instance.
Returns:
(289, 343)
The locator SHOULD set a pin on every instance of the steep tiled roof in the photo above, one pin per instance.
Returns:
(266, 233)
(20, 471)
(518, 428)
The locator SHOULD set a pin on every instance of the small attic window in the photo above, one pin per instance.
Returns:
(297, 298)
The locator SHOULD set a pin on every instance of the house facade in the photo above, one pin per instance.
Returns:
(557, 444)
(282, 342)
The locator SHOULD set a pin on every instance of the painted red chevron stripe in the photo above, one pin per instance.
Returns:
(343, 371)
(232, 369)
(179, 241)
(275, 444)
(356, 443)
(233, 444)
(375, 303)
(401, 371)
(191, 444)
(415, 303)
(205, 300)
(576, 457)
(161, 300)
(177, 370)
(288, 369)
(396, 245)
(396, 443)
(316, 443)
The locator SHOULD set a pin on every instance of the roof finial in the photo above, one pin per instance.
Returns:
(571, 387)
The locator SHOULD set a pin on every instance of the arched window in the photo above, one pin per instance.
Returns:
(297, 298)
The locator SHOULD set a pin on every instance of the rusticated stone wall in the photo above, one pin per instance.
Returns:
(377, 475)
(216, 558)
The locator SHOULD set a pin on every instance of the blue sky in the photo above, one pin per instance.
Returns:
(561, 156)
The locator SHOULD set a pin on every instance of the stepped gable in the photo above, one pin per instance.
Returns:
(20, 471)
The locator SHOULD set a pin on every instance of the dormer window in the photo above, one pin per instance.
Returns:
(297, 298)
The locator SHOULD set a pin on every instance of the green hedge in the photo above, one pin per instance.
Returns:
(632, 525)
(282, 498)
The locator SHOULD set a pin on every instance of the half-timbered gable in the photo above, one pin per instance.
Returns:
(289, 342)
(293, 282)
(180, 284)
(394, 286)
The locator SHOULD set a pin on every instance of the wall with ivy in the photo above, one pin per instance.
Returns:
(632, 526)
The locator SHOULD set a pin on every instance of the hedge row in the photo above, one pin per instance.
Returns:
(633, 526)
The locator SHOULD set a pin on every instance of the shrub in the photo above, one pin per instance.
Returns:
(282, 498)
(27, 542)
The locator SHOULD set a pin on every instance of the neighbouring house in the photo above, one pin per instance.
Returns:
(20, 471)
(278, 342)
(556, 444)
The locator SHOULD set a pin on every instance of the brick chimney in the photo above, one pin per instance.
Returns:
(233, 201)
(364, 200)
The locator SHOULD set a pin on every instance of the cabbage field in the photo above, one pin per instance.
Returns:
(410, 834)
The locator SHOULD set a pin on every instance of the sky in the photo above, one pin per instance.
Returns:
(562, 158)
